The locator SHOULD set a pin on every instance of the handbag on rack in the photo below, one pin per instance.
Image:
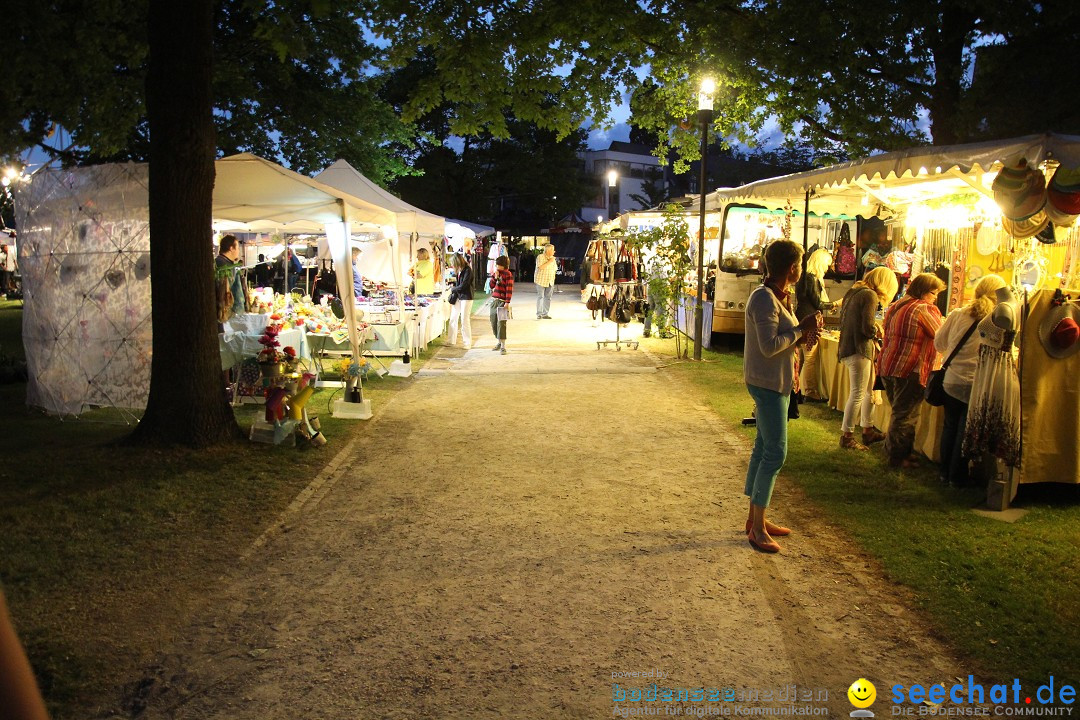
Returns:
(935, 394)
(619, 312)
(622, 265)
(592, 303)
(596, 266)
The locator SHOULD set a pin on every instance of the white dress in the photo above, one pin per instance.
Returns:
(993, 422)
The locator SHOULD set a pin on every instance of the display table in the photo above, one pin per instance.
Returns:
(236, 347)
(834, 384)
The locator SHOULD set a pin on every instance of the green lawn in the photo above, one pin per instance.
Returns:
(105, 551)
(1006, 595)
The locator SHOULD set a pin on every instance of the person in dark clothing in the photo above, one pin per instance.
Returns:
(461, 308)
(264, 272)
(810, 299)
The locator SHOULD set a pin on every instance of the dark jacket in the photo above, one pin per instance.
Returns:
(463, 286)
(857, 327)
(808, 296)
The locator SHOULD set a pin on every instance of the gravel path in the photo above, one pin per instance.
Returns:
(512, 531)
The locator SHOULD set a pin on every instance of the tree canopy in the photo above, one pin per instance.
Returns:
(850, 77)
(293, 79)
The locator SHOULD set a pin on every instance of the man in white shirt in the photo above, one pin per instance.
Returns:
(544, 278)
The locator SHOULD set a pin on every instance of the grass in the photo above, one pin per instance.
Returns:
(1005, 595)
(105, 551)
(11, 329)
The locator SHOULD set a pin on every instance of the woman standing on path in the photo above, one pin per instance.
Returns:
(461, 310)
(772, 336)
(859, 338)
(906, 359)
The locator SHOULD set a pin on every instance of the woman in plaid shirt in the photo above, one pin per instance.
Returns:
(502, 289)
(906, 359)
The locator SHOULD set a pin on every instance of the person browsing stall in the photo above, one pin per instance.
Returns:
(860, 335)
(228, 256)
(960, 375)
(502, 289)
(906, 359)
(544, 278)
(423, 273)
(772, 337)
(357, 278)
(810, 298)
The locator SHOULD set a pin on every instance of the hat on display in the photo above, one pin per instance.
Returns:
(1020, 191)
(1059, 331)
(1059, 218)
(1022, 229)
(1063, 192)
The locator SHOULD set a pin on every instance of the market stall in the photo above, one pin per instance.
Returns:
(85, 257)
(1006, 207)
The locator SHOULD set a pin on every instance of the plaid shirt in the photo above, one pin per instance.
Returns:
(545, 274)
(910, 326)
(502, 287)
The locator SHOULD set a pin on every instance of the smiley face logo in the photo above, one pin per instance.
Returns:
(862, 693)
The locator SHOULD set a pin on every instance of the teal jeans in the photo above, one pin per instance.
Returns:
(770, 446)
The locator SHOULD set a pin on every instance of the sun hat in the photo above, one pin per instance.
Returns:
(1022, 229)
(1059, 331)
(1059, 218)
(1020, 191)
(1063, 192)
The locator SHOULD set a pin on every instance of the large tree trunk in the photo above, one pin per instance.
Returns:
(950, 39)
(187, 404)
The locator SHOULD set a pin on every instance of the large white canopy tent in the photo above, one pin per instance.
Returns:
(84, 252)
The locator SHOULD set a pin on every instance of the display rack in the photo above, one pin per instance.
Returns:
(617, 342)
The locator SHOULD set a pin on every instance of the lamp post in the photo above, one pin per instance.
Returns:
(612, 180)
(705, 112)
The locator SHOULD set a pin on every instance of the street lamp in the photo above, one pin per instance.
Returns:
(612, 180)
(705, 114)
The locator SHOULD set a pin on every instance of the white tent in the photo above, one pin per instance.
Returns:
(84, 253)
(410, 220)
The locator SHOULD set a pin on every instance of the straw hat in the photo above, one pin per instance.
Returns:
(1020, 191)
(1059, 331)
(1063, 193)
(1021, 229)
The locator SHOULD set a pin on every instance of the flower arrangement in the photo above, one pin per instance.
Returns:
(271, 354)
(349, 370)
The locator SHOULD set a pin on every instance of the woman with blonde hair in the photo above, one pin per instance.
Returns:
(810, 298)
(906, 359)
(960, 375)
(423, 273)
(461, 308)
(860, 335)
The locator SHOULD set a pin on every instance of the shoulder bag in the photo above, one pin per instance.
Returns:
(935, 394)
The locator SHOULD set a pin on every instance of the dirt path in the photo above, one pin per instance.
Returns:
(512, 530)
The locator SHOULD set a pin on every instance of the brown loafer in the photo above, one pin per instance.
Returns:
(872, 436)
(850, 443)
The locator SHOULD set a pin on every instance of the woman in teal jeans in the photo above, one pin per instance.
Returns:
(772, 335)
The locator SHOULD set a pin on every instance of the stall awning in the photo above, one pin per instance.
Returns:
(901, 177)
(410, 219)
(263, 195)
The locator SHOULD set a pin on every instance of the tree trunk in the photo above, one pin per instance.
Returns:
(187, 403)
(945, 94)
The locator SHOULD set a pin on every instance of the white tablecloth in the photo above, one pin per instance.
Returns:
(238, 346)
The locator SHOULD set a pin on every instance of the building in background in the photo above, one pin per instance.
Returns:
(640, 181)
